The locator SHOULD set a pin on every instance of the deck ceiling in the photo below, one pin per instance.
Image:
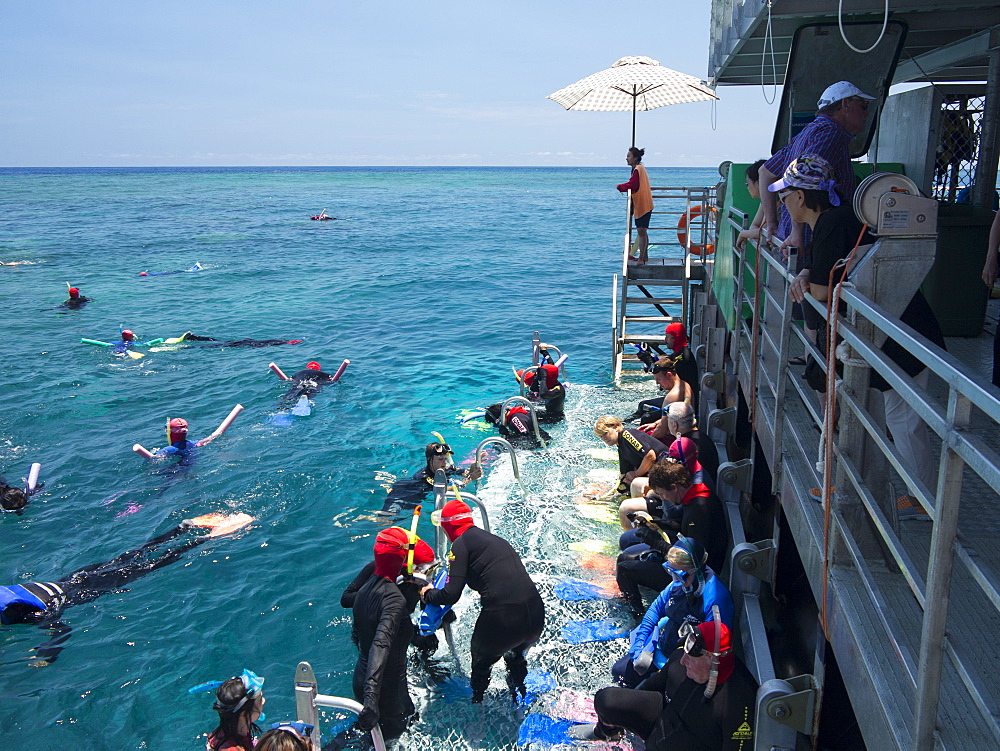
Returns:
(948, 40)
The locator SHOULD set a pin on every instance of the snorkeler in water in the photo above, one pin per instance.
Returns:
(188, 339)
(76, 300)
(42, 603)
(415, 490)
(178, 443)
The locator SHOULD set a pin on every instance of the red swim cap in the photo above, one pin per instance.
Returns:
(127, 335)
(727, 662)
(391, 548)
(74, 292)
(680, 335)
(456, 517)
(313, 366)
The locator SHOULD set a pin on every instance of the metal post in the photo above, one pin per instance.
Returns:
(780, 385)
(938, 591)
(989, 134)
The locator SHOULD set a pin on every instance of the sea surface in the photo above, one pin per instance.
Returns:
(433, 289)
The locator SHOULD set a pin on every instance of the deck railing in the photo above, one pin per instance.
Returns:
(862, 535)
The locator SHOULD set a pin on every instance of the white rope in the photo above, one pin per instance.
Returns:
(840, 24)
(769, 40)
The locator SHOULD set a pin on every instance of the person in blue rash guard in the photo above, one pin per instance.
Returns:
(42, 603)
(126, 343)
(180, 446)
(687, 599)
(413, 491)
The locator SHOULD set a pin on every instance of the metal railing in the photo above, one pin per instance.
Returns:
(863, 532)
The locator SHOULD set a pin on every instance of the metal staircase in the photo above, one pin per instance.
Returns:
(646, 298)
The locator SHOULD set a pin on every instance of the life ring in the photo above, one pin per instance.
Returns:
(682, 235)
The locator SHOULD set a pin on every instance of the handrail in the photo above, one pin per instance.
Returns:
(308, 698)
(960, 449)
(510, 450)
(531, 409)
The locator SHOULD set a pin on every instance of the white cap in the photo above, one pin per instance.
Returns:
(838, 91)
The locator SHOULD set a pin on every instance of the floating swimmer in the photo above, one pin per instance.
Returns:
(75, 300)
(189, 339)
(42, 603)
(324, 217)
(179, 445)
(196, 267)
(517, 425)
(125, 345)
(307, 383)
(13, 498)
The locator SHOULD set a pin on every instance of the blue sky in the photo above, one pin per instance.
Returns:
(295, 82)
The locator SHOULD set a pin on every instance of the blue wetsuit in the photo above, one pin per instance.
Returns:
(185, 449)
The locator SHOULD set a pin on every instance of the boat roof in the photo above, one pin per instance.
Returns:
(946, 41)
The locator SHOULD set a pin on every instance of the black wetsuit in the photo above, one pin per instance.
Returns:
(307, 383)
(75, 303)
(383, 629)
(86, 584)
(553, 397)
(189, 337)
(512, 615)
(686, 720)
(633, 445)
(518, 429)
(412, 491)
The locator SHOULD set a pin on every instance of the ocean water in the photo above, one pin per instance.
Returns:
(432, 289)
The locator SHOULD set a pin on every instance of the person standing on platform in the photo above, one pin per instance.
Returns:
(642, 201)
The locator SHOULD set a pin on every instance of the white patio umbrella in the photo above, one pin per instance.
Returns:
(633, 83)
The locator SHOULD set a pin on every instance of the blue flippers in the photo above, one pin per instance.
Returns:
(540, 728)
(536, 683)
(302, 408)
(575, 590)
(455, 688)
(581, 632)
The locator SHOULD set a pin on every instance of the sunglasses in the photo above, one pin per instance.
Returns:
(863, 102)
(694, 644)
(783, 194)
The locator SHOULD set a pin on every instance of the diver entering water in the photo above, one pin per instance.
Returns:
(547, 391)
(383, 631)
(516, 426)
(412, 491)
(512, 615)
(42, 603)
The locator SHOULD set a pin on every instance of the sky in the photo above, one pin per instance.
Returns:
(303, 83)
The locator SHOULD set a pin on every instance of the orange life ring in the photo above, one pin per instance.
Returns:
(682, 235)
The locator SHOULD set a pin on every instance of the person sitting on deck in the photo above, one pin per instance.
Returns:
(680, 423)
(637, 451)
(650, 411)
(705, 698)
(692, 591)
(685, 365)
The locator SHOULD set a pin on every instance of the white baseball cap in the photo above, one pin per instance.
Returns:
(838, 91)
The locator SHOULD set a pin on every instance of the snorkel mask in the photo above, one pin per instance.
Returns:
(693, 642)
(253, 684)
(696, 553)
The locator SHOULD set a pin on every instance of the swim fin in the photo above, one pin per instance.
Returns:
(222, 524)
(581, 632)
(575, 590)
(302, 408)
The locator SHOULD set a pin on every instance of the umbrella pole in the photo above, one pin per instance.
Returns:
(633, 121)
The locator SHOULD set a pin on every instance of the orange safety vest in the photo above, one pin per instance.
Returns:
(642, 199)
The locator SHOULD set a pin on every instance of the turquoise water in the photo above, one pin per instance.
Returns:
(432, 290)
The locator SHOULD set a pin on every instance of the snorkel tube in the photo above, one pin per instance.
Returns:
(411, 543)
(713, 674)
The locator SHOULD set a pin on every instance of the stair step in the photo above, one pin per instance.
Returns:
(655, 300)
(638, 339)
(649, 319)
